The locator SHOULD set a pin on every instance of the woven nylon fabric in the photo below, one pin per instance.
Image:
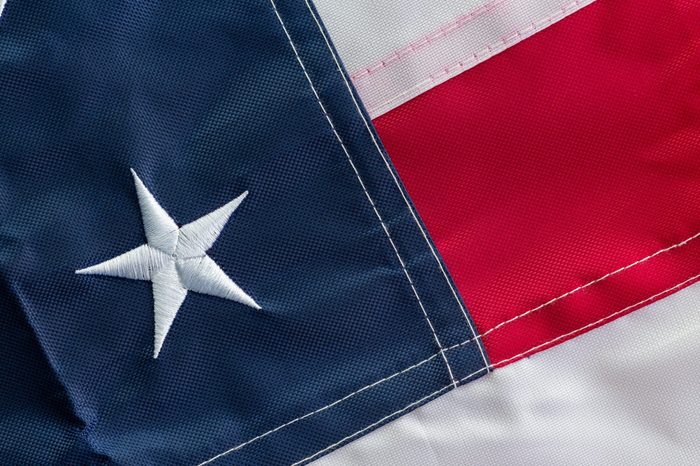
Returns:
(204, 101)
(395, 51)
(625, 393)
(561, 178)
(366, 31)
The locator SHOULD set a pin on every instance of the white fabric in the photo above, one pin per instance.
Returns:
(625, 393)
(368, 30)
(396, 49)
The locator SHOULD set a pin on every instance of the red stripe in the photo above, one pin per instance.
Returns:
(562, 159)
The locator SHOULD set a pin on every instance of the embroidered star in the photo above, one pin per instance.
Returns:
(175, 260)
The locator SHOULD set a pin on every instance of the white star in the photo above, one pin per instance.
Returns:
(175, 260)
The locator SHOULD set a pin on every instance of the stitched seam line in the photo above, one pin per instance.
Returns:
(677, 245)
(364, 189)
(487, 52)
(396, 181)
(593, 282)
(534, 348)
(488, 367)
(390, 416)
(369, 197)
(427, 39)
(320, 410)
(600, 321)
(582, 287)
(503, 361)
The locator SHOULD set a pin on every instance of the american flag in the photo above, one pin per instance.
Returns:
(368, 232)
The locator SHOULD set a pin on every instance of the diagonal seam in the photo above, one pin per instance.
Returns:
(396, 181)
(320, 410)
(580, 288)
(500, 363)
(490, 366)
(601, 320)
(364, 189)
(390, 416)
(476, 337)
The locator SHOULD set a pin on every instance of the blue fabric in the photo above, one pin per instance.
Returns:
(204, 100)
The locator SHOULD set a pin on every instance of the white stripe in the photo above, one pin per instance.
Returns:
(625, 393)
(368, 30)
(395, 50)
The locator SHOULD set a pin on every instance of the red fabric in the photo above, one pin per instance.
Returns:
(560, 160)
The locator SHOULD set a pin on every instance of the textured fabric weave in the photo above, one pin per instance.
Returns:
(395, 51)
(622, 394)
(205, 101)
(561, 178)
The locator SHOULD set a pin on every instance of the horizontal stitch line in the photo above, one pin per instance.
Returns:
(482, 55)
(582, 287)
(534, 348)
(320, 410)
(441, 349)
(593, 282)
(386, 418)
(402, 263)
(455, 346)
(396, 182)
(427, 39)
(593, 324)
(476, 337)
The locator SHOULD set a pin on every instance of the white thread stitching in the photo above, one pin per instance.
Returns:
(682, 243)
(489, 366)
(534, 348)
(396, 181)
(364, 188)
(386, 418)
(174, 260)
(293, 421)
(593, 324)
(575, 290)
(487, 52)
(428, 39)
(593, 282)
